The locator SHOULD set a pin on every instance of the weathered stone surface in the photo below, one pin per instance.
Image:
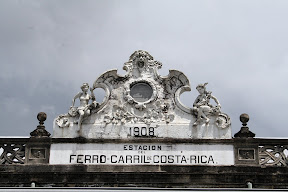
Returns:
(37, 151)
(244, 131)
(40, 131)
(143, 176)
(247, 168)
(142, 104)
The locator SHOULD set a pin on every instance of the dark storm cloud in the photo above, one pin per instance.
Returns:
(49, 48)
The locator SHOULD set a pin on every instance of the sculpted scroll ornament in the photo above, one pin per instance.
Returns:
(63, 121)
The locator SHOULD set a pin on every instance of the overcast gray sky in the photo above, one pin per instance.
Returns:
(48, 48)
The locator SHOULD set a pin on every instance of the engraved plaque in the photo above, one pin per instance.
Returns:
(142, 154)
(141, 92)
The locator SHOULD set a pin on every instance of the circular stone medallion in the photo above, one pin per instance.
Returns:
(141, 92)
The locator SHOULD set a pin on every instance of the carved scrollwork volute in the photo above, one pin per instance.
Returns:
(175, 84)
(108, 81)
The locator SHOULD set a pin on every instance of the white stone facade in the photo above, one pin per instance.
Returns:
(142, 104)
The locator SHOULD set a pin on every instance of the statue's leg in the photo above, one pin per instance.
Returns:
(205, 110)
(199, 114)
(81, 112)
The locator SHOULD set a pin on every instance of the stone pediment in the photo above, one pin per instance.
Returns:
(142, 103)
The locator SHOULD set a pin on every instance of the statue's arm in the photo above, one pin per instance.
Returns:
(75, 97)
(92, 96)
(195, 102)
(216, 101)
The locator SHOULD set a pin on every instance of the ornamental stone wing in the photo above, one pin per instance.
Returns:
(175, 84)
(175, 80)
(108, 81)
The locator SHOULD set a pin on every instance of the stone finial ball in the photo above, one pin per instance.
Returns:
(244, 118)
(41, 116)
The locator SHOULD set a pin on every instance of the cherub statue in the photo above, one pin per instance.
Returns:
(84, 109)
(202, 106)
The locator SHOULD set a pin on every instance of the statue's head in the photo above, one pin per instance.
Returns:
(201, 88)
(140, 58)
(85, 87)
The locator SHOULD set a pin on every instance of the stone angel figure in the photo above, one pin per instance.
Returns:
(202, 106)
(84, 109)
